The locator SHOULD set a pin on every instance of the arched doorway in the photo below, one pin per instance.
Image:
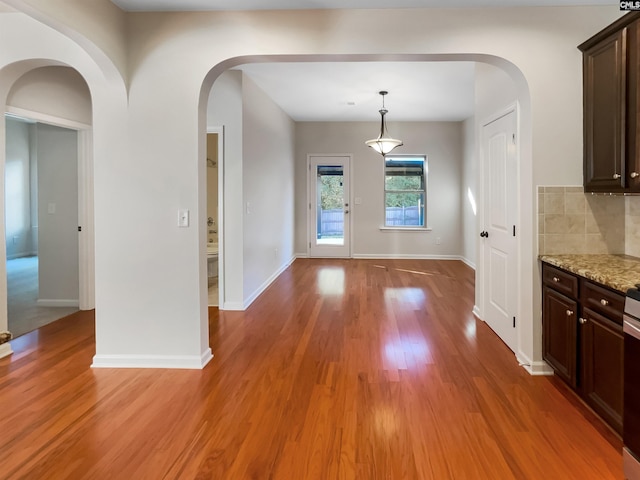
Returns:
(525, 218)
(49, 217)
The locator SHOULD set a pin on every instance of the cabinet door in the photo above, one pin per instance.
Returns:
(559, 323)
(602, 361)
(633, 107)
(605, 76)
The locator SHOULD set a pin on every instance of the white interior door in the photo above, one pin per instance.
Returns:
(499, 247)
(329, 206)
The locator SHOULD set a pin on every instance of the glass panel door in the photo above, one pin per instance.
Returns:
(329, 206)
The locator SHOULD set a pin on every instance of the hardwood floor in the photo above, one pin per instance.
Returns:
(342, 369)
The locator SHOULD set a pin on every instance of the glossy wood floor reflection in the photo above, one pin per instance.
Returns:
(342, 369)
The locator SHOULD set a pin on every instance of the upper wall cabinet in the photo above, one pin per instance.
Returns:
(611, 71)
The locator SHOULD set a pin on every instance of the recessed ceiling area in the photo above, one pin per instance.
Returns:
(348, 91)
(207, 5)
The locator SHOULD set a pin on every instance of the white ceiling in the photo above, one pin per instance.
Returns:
(201, 5)
(348, 91)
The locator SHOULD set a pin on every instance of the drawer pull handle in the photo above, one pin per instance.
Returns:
(582, 320)
(634, 174)
(616, 176)
(569, 313)
(556, 279)
(604, 302)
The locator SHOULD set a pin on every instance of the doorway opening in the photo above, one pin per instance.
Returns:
(214, 178)
(329, 204)
(41, 223)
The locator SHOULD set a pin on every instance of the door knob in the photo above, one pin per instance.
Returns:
(484, 234)
(634, 174)
(582, 320)
(569, 313)
(616, 176)
(346, 211)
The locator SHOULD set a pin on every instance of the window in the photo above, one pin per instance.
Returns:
(405, 191)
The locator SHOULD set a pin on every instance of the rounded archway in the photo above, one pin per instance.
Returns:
(233, 210)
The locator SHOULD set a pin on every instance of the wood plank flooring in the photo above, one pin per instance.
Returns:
(342, 369)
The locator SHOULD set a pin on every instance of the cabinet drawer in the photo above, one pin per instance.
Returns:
(602, 300)
(560, 280)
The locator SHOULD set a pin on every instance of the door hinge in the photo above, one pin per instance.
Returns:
(513, 138)
(309, 205)
(514, 230)
(514, 322)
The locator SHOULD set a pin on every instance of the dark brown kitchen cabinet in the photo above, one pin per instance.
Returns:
(602, 353)
(611, 66)
(583, 341)
(560, 334)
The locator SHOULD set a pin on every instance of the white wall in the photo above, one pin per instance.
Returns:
(469, 192)
(18, 219)
(57, 91)
(441, 142)
(225, 110)
(258, 171)
(57, 153)
(268, 157)
(98, 26)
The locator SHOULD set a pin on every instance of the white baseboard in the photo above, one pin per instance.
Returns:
(233, 306)
(476, 312)
(21, 255)
(251, 298)
(534, 368)
(468, 263)
(401, 256)
(5, 350)
(47, 302)
(192, 362)
(301, 255)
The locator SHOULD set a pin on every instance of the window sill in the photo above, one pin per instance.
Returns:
(405, 229)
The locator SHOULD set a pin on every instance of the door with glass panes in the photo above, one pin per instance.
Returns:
(329, 206)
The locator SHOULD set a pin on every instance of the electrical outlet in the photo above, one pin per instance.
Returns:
(438, 240)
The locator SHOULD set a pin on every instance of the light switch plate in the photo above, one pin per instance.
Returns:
(183, 217)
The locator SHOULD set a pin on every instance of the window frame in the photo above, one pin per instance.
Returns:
(423, 191)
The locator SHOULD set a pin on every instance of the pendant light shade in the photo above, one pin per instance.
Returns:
(384, 143)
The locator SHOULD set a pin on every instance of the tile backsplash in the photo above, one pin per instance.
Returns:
(572, 221)
(632, 226)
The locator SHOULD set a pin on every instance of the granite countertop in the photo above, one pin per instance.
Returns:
(619, 272)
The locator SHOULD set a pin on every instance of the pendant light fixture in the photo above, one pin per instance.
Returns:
(384, 143)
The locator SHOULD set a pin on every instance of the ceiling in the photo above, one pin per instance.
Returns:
(201, 5)
(348, 91)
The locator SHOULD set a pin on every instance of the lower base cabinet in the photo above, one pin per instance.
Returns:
(602, 349)
(583, 340)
